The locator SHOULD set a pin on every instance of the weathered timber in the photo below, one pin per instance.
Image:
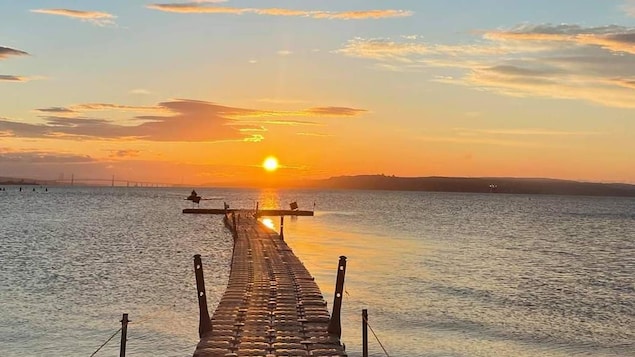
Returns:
(261, 213)
(272, 305)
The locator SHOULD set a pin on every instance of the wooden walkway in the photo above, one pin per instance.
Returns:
(272, 305)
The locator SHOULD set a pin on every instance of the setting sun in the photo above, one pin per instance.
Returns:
(270, 164)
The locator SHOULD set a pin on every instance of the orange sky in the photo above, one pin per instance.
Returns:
(202, 93)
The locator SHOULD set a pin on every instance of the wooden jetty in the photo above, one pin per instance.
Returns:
(272, 305)
(263, 212)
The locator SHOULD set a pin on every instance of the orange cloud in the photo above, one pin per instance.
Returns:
(177, 120)
(614, 38)
(96, 17)
(200, 8)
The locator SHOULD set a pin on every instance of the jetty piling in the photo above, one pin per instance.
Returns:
(282, 227)
(335, 324)
(124, 335)
(364, 333)
(205, 324)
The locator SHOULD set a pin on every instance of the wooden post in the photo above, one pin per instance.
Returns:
(335, 324)
(124, 335)
(282, 227)
(257, 204)
(205, 324)
(364, 333)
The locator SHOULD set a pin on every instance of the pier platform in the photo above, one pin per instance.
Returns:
(263, 212)
(272, 305)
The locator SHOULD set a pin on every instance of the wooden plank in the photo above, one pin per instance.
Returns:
(264, 212)
(272, 305)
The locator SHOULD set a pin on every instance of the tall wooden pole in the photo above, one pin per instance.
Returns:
(205, 323)
(124, 335)
(364, 333)
(282, 227)
(335, 324)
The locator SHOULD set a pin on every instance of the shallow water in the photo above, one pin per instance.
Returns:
(441, 274)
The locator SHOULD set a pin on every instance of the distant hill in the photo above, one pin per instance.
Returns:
(17, 181)
(478, 185)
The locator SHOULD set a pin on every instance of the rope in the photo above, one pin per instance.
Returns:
(104, 344)
(369, 326)
(376, 337)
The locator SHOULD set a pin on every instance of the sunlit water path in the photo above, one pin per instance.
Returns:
(441, 274)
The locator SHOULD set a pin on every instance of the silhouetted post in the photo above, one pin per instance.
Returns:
(124, 335)
(335, 324)
(282, 227)
(205, 324)
(364, 333)
(257, 204)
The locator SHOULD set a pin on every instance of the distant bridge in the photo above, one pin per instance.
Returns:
(87, 181)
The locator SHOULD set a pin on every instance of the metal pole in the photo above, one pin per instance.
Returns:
(364, 333)
(335, 324)
(124, 333)
(282, 227)
(205, 324)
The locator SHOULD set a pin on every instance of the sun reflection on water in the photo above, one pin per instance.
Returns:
(268, 222)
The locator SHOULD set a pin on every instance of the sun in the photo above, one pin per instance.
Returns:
(270, 164)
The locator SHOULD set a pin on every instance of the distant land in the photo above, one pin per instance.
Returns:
(501, 185)
(17, 181)
(538, 186)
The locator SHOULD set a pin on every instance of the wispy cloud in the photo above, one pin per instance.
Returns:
(525, 132)
(140, 91)
(6, 52)
(629, 7)
(203, 7)
(594, 64)
(40, 157)
(313, 134)
(95, 17)
(120, 154)
(12, 78)
(177, 120)
(81, 109)
(281, 101)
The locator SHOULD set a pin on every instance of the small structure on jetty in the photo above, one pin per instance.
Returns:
(272, 305)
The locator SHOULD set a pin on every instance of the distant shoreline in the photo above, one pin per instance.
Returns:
(494, 185)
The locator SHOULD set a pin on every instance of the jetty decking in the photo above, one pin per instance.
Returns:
(272, 305)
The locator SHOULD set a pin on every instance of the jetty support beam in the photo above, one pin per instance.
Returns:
(124, 335)
(205, 323)
(282, 227)
(364, 333)
(335, 324)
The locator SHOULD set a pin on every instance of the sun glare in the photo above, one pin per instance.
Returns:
(270, 164)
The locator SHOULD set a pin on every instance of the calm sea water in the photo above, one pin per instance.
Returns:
(461, 275)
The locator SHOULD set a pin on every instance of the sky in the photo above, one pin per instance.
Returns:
(201, 92)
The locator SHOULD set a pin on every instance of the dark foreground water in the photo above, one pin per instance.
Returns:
(456, 275)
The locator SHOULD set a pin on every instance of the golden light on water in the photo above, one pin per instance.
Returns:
(268, 222)
(270, 164)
